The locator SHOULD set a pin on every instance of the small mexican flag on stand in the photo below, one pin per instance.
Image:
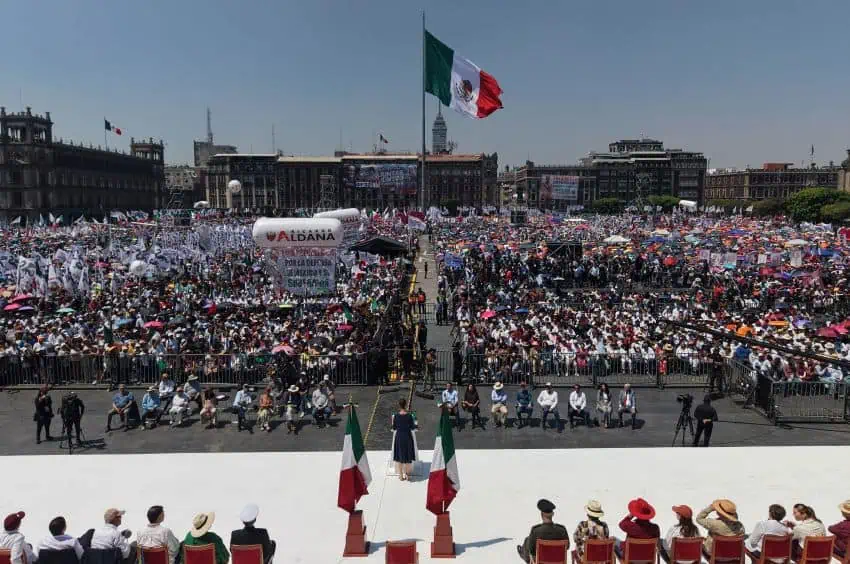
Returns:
(444, 480)
(458, 82)
(355, 476)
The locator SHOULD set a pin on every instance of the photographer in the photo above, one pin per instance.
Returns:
(43, 414)
(71, 410)
(705, 415)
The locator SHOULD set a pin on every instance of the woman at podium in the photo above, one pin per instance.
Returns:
(404, 450)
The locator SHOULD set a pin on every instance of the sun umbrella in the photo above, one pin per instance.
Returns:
(615, 240)
(827, 332)
(286, 349)
(345, 327)
(12, 307)
(21, 297)
(26, 308)
(522, 310)
(66, 310)
(123, 322)
(154, 325)
(778, 323)
(796, 243)
(488, 314)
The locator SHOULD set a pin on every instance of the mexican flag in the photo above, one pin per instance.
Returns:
(458, 82)
(354, 477)
(443, 481)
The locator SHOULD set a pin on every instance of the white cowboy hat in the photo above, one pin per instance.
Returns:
(498, 386)
(201, 524)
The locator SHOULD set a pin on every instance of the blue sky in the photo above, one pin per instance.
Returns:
(743, 81)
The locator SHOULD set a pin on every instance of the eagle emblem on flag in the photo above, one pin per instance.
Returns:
(463, 89)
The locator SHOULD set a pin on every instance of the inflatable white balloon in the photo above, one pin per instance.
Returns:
(350, 219)
(234, 186)
(201, 205)
(137, 268)
(289, 232)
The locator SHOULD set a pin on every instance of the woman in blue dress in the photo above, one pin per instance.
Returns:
(404, 452)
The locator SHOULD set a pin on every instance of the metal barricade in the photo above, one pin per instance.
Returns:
(809, 401)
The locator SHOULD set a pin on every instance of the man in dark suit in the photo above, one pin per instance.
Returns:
(249, 534)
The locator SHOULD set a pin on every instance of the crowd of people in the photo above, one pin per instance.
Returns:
(719, 519)
(99, 303)
(109, 543)
(527, 303)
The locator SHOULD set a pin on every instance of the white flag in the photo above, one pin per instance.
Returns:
(16, 221)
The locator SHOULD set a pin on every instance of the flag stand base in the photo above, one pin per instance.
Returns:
(355, 537)
(443, 545)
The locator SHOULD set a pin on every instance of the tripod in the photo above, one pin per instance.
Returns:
(68, 428)
(685, 424)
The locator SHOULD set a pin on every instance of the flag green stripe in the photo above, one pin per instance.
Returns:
(352, 428)
(446, 438)
(439, 58)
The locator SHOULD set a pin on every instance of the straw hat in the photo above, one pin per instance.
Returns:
(594, 509)
(726, 508)
(201, 524)
(845, 508)
(498, 386)
(293, 388)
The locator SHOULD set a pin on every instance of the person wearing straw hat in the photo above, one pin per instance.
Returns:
(499, 408)
(841, 530)
(591, 528)
(726, 523)
(292, 401)
(200, 535)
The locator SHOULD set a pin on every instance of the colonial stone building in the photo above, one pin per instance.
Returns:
(40, 175)
(289, 184)
(772, 180)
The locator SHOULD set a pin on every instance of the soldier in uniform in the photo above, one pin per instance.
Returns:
(547, 530)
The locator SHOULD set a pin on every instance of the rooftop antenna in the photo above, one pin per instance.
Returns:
(209, 127)
(274, 143)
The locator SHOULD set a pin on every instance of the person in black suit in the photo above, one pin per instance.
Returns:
(249, 534)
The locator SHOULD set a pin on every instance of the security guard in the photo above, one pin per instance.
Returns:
(547, 530)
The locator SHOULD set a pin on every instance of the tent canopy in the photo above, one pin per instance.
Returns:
(381, 246)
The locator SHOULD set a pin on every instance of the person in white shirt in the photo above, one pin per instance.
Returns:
(578, 406)
(499, 408)
(166, 390)
(58, 540)
(321, 407)
(12, 539)
(807, 525)
(548, 400)
(179, 407)
(241, 403)
(772, 526)
(109, 537)
(448, 399)
(154, 535)
(684, 528)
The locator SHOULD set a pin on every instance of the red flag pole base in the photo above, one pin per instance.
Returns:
(355, 536)
(443, 545)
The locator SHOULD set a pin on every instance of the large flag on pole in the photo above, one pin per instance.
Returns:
(355, 476)
(444, 480)
(457, 82)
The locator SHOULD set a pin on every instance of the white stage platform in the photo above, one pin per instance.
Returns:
(493, 512)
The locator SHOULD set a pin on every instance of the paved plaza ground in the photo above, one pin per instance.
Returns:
(658, 412)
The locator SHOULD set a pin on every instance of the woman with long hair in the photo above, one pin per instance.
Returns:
(807, 525)
(684, 528)
(472, 404)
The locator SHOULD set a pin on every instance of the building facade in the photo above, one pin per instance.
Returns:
(293, 184)
(439, 134)
(205, 150)
(631, 169)
(772, 180)
(39, 175)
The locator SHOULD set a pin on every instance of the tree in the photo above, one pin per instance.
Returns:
(806, 205)
(772, 206)
(836, 212)
(667, 203)
(607, 206)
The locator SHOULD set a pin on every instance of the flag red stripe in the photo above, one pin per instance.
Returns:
(488, 95)
(439, 490)
(352, 487)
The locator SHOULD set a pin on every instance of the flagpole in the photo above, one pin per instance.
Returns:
(422, 181)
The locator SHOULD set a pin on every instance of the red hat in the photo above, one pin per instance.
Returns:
(641, 509)
(13, 521)
(684, 511)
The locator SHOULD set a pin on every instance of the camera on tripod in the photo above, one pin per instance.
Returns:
(686, 400)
